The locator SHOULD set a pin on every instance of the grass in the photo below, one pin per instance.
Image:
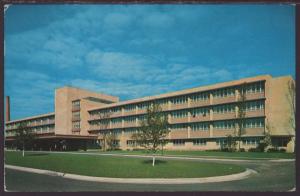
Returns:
(213, 154)
(122, 167)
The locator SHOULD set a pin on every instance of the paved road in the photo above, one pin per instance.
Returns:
(272, 176)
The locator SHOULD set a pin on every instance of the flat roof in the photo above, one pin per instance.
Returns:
(31, 117)
(185, 91)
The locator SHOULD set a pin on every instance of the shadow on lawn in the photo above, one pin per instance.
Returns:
(37, 154)
(157, 162)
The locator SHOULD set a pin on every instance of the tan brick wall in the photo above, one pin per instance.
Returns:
(63, 107)
(277, 108)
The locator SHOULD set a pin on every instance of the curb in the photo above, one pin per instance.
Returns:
(232, 177)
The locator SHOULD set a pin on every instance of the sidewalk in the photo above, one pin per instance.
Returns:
(231, 177)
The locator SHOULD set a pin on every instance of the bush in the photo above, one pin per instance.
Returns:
(242, 150)
(253, 150)
(276, 150)
(262, 146)
(282, 150)
(273, 150)
(228, 149)
(214, 150)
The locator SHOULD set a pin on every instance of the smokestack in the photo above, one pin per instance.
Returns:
(7, 112)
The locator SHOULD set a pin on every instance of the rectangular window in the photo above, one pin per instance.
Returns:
(129, 119)
(221, 142)
(129, 108)
(76, 125)
(131, 143)
(143, 106)
(115, 110)
(254, 123)
(178, 142)
(250, 141)
(200, 127)
(221, 109)
(179, 127)
(225, 92)
(200, 112)
(76, 103)
(179, 114)
(200, 96)
(179, 100)
(256, 87)
(199, 142)
(162, 102)
(255, 105)
(228, 124)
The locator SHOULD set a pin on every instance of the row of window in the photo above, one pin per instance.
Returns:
(41, 129)
(179, 100)
(224, 124)
(228, 124)
(199, 126)
(254, 123)
(252, 141)
(254, 105)
(200, 97)
(204, 111)
(32, 122)
(200, 112)
(220, 142)
(257, 87)
(221, 109)
(225, 92)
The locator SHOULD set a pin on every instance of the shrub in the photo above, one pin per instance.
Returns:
(214, 150)
(253, 150)
(242, 150)
(228, 149)
(282, 150)
(276, 150)
(262, 146)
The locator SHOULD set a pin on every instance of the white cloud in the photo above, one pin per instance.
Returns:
(118, 65)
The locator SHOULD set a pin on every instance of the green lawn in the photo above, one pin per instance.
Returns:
(212, 154)
(107, 166)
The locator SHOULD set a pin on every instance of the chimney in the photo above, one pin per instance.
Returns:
(7, 112)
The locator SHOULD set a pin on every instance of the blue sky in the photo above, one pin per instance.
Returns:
(133, 51)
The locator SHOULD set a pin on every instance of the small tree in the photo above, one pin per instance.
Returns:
(153, 130)
(104, 116)
(111, 141)
(24, 136)
(230, 143)
(241, 116)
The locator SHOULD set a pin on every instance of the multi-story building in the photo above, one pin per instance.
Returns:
(200, 118)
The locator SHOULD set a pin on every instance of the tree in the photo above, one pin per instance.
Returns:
(241, 116)
(24, 136)
(104, 116)
(230, 144)
(111, 141)
(153, 130)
